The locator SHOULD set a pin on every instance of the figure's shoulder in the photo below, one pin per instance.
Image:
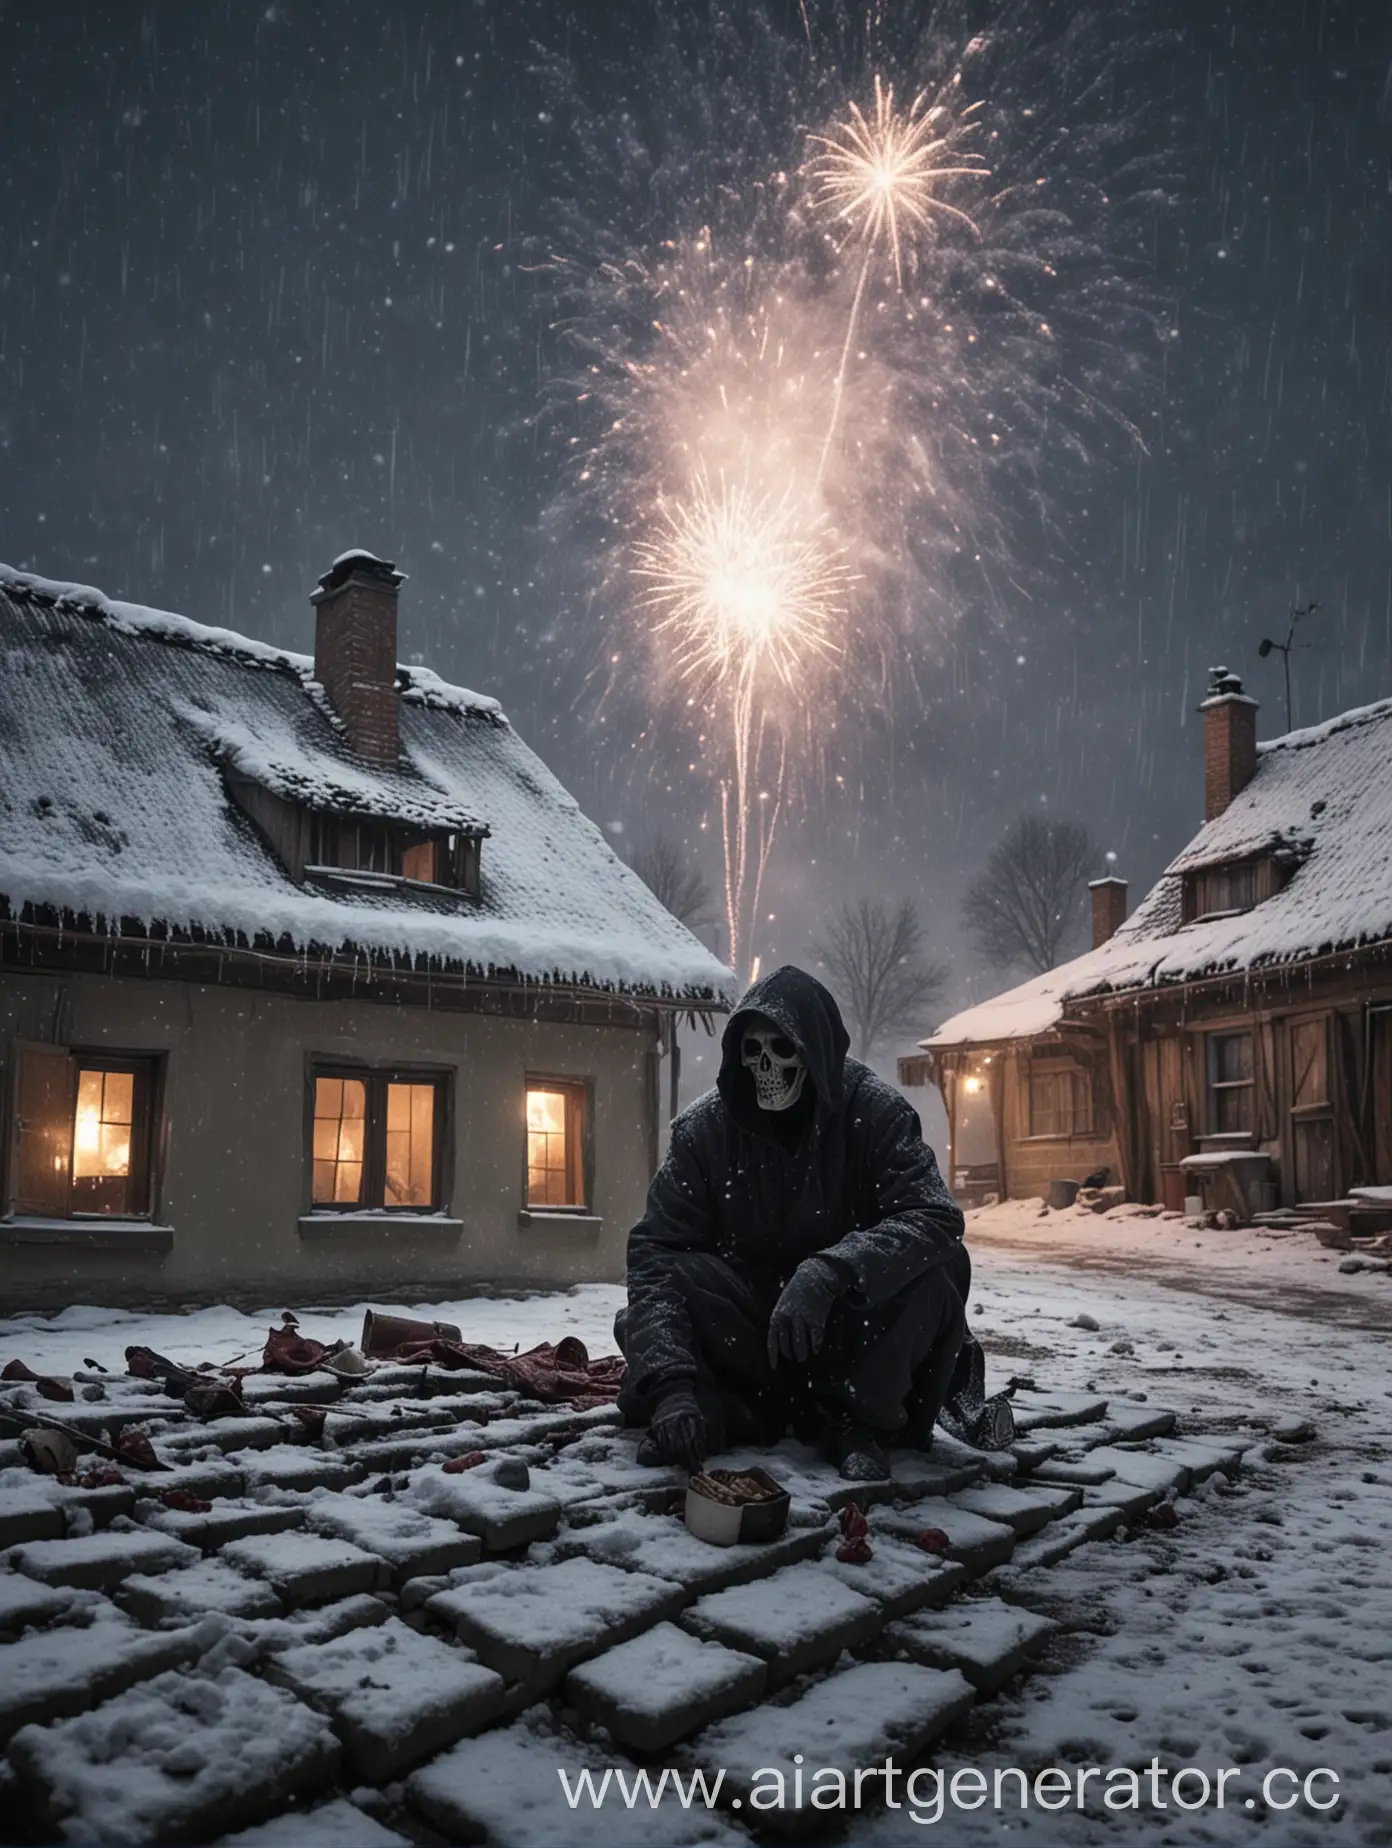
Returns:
(868, 1099)
(700, 1122)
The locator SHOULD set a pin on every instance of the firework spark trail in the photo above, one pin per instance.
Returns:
(750, 591)
(871, 172)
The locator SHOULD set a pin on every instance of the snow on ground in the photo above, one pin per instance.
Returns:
(1258, 1633)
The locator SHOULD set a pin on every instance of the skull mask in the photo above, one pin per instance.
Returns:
(775, 1064)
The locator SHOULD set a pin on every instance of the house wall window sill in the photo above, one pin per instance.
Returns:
(554, 1219)
(437, 1228)
(87, 1234)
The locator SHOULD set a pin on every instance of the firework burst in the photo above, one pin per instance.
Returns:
(749, 592)
(884, 173)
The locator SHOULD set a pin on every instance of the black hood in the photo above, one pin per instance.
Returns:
(798, 1004)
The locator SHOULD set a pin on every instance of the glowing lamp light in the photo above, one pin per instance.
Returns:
(88, 1135)
(971, 1085)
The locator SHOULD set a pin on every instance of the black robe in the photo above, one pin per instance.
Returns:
(845, 1174)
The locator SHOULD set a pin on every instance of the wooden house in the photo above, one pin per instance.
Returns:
(1232, 1038)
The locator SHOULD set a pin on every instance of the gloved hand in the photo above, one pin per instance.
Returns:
(678, 1430)
(799, 1318)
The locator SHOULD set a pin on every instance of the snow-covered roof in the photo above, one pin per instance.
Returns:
(1322, 798)
(118, 724)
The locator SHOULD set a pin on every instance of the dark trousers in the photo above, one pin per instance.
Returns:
(890, 1367)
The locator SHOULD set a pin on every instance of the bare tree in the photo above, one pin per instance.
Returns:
(875, 958)
(674, 881)
(1023, 903)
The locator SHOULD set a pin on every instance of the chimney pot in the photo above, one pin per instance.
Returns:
(355, 650)
(1108, 908)
(1230, 741)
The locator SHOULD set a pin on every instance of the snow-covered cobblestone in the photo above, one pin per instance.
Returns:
(597, 1629)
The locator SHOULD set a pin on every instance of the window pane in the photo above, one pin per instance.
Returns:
(1232, 1058)
(418, 862)
(118, 1096)
(410, 1144)
(550, 1160)
(340, 1112)
(102, 1125)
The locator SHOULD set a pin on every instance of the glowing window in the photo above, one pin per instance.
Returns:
(376, 1141)
(556, 1122)
(340, 1140)
(410, 1144)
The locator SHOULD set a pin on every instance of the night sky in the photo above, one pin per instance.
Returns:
(275, 280)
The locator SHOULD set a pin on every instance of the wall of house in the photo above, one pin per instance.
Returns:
(1031, 1162)
(233, 1176)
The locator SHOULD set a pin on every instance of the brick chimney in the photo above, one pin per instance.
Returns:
(355, 650)
(1108, 908)
(1230, 741)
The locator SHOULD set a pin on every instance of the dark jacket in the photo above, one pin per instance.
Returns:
(860, 1187)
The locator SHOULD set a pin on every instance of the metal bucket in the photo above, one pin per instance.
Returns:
(383, 1334)
(1062, 1194)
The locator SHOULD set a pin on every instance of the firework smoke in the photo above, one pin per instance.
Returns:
(871, 328)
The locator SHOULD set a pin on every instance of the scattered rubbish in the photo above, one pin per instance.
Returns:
(855, 1549)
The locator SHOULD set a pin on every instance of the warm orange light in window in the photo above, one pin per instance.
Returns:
(552, 1164)
(971, 1085)
(102, 1126)
(410, 1144)
(340, 1123)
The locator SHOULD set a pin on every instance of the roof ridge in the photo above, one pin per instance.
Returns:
(418, 683)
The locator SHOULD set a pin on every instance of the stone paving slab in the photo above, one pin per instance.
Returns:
(979, 1543)
(1126, 1499)
(52, 1673)
(660, 1545)
(900, 1577)
(98, 1562)
(503, 1518)
(228, 1520)
(1056, 1409)
(234, 1434)
(663, 1686)
(1082, 1471)
(190, 1592)
(24, 1602)
(395, 1697)
(1202, 1456)
(986, 1640)
(535, 1623)
(317, 1624)
(916, 1473)
(798, 1620)
(307, 1568)
(413, 1544)
(852, 1720)
(336, 1824)
(296, 1466)
(1144, 1468)
(1063, 1537)
(28, 1515)
(1025, 1510)
(180, 1759)
(488, 1790)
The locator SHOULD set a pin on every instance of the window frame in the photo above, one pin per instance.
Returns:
(376, 1079)
(579, 1095)
(1081, 1085)
(1214, 1086)
(146, 1070)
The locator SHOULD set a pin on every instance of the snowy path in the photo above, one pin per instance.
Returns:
(1256, 1634)
(1259, 1633)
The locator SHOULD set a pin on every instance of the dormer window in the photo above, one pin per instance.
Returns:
(1226, 891)
(351, 844)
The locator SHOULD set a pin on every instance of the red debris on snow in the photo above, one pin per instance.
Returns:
(855, 1549)
(932, 1540)
(470, 1460)
(559, 1375)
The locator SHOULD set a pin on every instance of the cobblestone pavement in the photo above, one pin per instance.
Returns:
(355, 1634)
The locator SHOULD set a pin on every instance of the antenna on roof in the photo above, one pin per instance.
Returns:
(1267, 646)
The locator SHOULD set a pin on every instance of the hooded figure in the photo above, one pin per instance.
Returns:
(800, 1259)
